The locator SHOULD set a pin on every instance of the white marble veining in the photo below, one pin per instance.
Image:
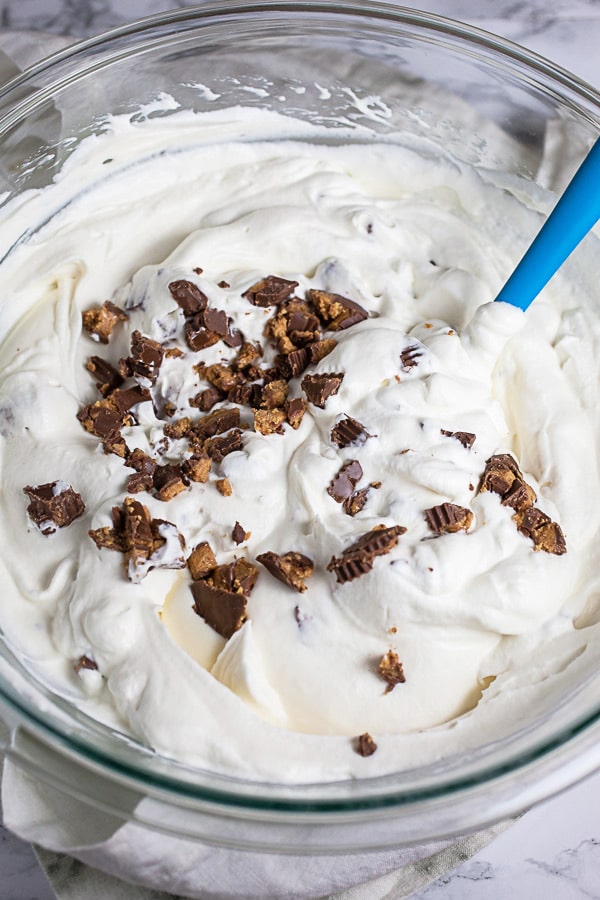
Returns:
(552, 852)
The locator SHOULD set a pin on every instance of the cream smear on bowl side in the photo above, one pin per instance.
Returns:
(454, 618)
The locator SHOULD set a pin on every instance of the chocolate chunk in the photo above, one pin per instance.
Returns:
(545, 534)
(206, 399)
(318, 388)
(197, 335)
(218, 422)
(349, 431)
(345, 481)
(124, 399)
(145, 359)
(99, 321)
(85, 662)
(466, 438)
(270, 291)
(107, 377)
(358, 558)
(335, 311)
(188, 296)
(223, 284)
(409, 358)
(220, 447)
(168, 481)
(269, 421)
(234, 337)
(216, 320)
(448, 518)
(224, 611)
(224, 487)
(291, 568)
(365, 745)
(53, 505)
(353, 504)
(294, 410)
(391, 670)
(201, 561)
(197, 467)
(239, 534)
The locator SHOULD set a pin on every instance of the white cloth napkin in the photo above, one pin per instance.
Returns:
(158, 862)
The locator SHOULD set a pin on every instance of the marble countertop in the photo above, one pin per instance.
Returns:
(553, 851)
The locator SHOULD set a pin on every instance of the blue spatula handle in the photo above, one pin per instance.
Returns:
(576, 212)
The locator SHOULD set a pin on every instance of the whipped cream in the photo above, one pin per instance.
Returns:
(482, 622)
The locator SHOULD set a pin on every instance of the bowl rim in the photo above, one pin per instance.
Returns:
(187, 19)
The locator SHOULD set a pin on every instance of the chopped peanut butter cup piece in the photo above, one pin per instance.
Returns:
(499, 473)
(201, 561)
(335, 311)
(545, 534)
(206, 399)
(168, 481)
(291, 568)
(358, 558)
(107, 377)
(144, 361)
(519, 496)
(99, 321)
(220, 447)
(448, 518)
(270, 291)
(349, 431)
(318, 350)
(466, 438)
(356, 502)
(221, 597)
(345, 481)
(391, 670)
(319, 388)
(269, 421)
(188, 297)
(146, 542)
(217, 422)
(294, 410)
(365, 745)
(503, 476)
(224, 487)
(53, 505)
(274, 394)
(224, 611)
(197, 467)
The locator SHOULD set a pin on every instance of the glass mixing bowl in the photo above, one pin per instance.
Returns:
(378, 69)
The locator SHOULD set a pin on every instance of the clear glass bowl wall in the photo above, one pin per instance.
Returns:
(382, 69)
